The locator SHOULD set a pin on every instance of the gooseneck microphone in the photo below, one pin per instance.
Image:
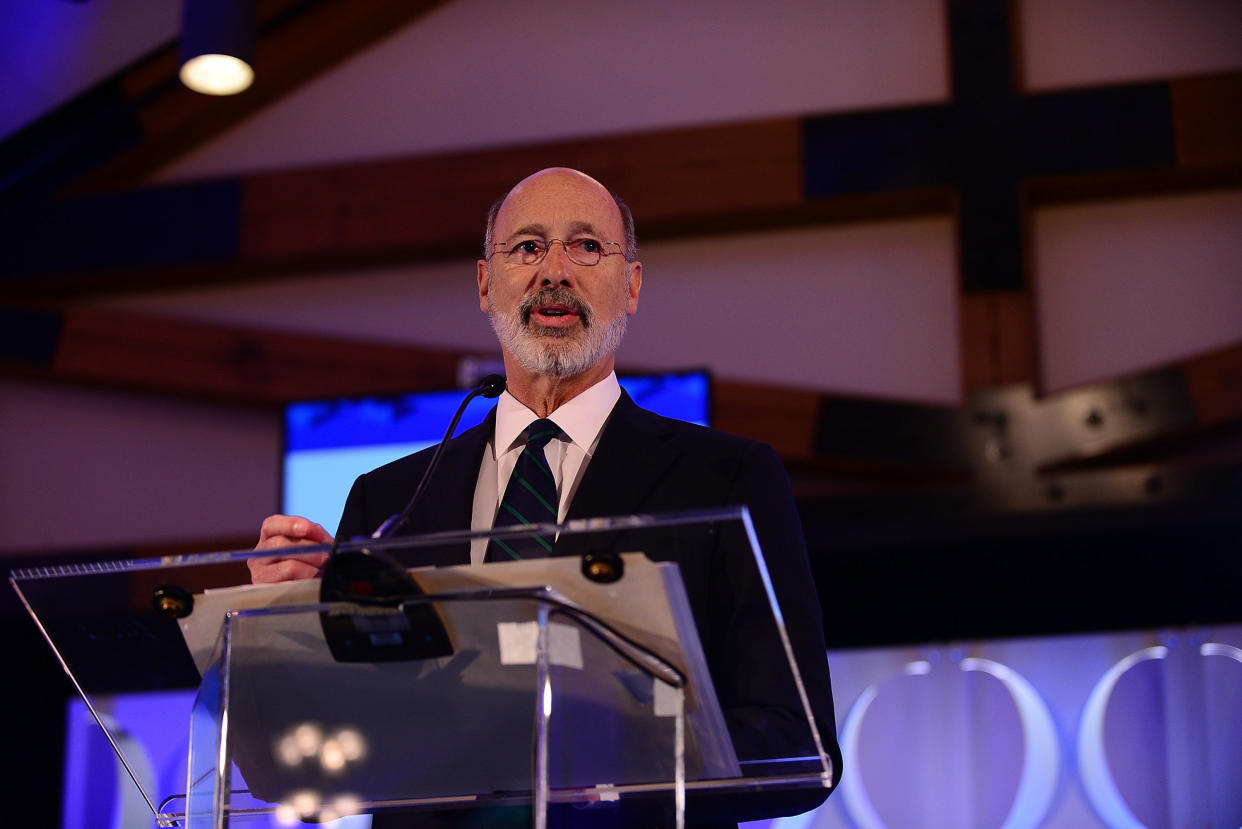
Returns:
(374, 579)
(492, 386)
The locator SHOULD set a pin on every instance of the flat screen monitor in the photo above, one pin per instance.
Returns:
(329, 443)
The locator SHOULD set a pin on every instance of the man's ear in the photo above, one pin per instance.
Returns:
(635, 285)
(484, 275)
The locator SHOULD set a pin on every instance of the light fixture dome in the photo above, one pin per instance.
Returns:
(217, 74)
(217, 45)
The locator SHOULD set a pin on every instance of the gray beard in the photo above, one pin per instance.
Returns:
(557, 352)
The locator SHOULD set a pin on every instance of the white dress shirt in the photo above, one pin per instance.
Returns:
(581, 420)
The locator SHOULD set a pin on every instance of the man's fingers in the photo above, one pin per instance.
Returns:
(283, 530)
(287, 532)
(292, 568)
(282, 542)
(316, 533)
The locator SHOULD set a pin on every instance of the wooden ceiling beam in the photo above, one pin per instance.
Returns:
(435, 204)
(718, 179)
(690, 181)
(121, 349)
(298, 40)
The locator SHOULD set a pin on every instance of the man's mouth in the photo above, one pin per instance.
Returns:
(556, 313)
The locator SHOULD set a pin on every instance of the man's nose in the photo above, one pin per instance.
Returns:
(556, 263)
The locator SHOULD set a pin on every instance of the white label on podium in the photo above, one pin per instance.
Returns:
(667, 699)
(519, 642)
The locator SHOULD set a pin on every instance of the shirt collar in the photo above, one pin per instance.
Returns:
(581, 419)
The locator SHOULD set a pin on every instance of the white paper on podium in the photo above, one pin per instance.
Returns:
(641, 606)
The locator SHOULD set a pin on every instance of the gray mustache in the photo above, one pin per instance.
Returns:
(555, 296)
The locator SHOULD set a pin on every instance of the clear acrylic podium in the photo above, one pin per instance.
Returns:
(577, 683)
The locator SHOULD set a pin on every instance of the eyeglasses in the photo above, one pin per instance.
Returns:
(531, 251)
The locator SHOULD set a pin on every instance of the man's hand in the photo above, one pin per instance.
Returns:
(281, 532)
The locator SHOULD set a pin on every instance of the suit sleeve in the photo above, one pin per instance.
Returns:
(764, 705)
(354, 515)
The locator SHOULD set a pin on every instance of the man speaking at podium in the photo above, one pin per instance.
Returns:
(559, 277)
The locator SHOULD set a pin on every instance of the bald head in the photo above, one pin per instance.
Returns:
(574, 184)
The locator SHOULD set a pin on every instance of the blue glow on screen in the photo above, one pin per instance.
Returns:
(328, 443)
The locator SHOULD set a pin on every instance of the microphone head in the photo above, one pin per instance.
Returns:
(492, 385)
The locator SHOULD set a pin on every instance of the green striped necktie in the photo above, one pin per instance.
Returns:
(530, 498)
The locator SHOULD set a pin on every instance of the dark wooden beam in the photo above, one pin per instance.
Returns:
(299, 39)
(156, 353)
(998, 339)
(727, 179)
(723, 179)
(787, 419)
(1214, 382)
(181, 357)
(431, 206)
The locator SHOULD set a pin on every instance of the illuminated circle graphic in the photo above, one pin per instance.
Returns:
(1097, 778)
(1041, 758)
(857, 804)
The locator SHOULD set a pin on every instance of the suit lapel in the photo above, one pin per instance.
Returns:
(632, 456)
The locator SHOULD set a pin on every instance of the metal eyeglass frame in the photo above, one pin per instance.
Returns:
(572, 250)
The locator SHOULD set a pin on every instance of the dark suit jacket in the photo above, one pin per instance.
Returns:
(645, 463)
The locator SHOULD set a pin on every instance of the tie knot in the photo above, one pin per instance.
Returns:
(539, 432)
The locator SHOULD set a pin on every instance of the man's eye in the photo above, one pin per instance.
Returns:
(588, 245)
(529, 246)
